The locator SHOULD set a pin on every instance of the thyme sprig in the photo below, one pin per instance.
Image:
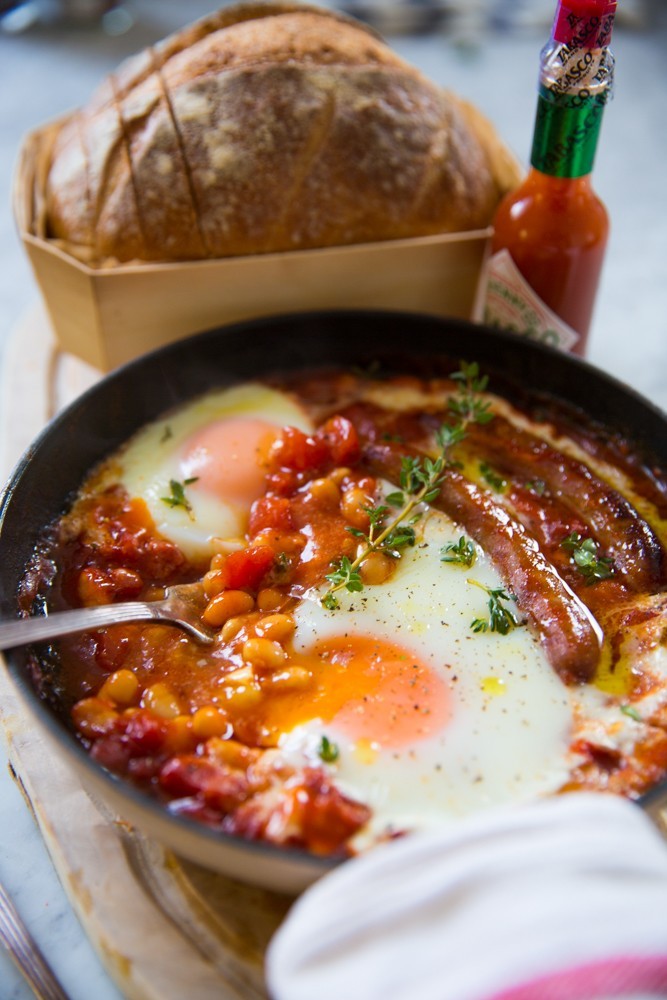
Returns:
(501, 618)
(177, 497)
(585, 556)
(328, 750)
(345, 575)
(468, 405)
(420, 480)
(462, 553)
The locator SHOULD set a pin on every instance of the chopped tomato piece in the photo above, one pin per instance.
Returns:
(112, 752)
(606, 758)
(327, 816)
(283, 482)
(146, 733)
(222, 788)
(103, 586)
(342, 441)
(298, 451)
(245, 570)
(270, 512)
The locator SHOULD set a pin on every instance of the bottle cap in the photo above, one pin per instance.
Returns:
(584, 24)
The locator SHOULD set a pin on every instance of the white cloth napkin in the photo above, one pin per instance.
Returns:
(564, 899)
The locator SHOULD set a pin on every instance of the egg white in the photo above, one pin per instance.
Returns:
(600, 718)
(154, 457)
(510, 729)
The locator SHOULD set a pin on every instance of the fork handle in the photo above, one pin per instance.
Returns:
(37, 629)
(26, 954)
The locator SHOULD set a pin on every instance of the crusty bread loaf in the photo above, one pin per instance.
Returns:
(268, 127)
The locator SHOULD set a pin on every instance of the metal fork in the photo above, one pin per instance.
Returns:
(181, 606)
(25, 953)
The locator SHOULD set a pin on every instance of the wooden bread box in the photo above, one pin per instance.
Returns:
(108, 315)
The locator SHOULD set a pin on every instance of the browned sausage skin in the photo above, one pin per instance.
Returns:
(570, 634)
(610, 518)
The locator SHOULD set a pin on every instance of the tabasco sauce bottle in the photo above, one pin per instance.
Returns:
(550, 234)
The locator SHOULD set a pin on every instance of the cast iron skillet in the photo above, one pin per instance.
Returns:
(109, 413)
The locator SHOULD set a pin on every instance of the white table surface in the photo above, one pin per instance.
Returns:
(45, 72)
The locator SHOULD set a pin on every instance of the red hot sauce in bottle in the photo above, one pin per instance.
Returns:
(550, 234)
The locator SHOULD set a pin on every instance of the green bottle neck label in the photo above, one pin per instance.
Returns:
(567, 127)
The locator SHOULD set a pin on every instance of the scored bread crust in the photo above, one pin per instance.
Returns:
(268, 127)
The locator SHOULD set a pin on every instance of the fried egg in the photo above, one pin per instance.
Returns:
(200, 468)
(429, 719)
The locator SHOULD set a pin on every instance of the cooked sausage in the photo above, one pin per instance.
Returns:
(569, 633)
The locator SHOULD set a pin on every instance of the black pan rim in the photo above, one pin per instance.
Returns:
(563, 370)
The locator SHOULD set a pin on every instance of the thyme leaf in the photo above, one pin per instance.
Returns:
(376, 515)
(584, 552)
(396, 499)
(401, 537)
(177, 497)
(345, 575)
(463, 552)
(466, 404)
(328, 750)
(501, 618)
(536, 486)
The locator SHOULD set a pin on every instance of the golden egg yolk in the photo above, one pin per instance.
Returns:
(228, 458)
(370, 689)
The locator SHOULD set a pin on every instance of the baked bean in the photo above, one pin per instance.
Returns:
(94, 717)
(242, 675)
(270, 599)
(232, 627)
(278, 627)
(290, 542)
(213, 582)
(376, 568)
(291, 679)
(263, 653)
(339, 474)
(242, 691)
(227, 604)
(121, 687)
(210, 721)
(232, 753)
(352, 506)
(325, 492)
(161, 700)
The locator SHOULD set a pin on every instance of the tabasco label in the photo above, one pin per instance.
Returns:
(509, 303)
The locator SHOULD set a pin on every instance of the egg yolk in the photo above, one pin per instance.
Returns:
(228, 458)
(372, 690)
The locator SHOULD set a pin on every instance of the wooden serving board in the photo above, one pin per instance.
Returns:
(164, 928)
